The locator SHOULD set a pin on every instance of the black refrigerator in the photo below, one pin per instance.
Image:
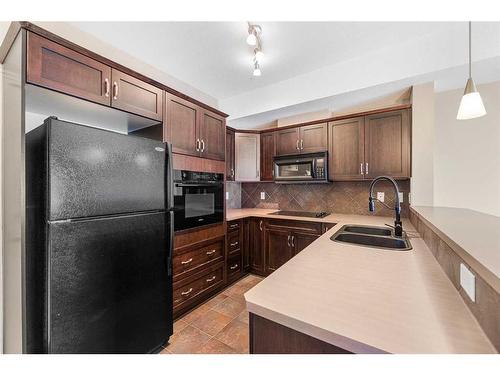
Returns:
(99, 232)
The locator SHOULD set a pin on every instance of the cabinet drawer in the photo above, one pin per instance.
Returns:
(233, 242)
(234, 265)
(233, 226)
(198, 285)
(189, 259)
(303, 226)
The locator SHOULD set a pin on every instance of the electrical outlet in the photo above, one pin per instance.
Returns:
(227, 195)
(380, 196)
(468, 282)
(401, 197)
(262, 195)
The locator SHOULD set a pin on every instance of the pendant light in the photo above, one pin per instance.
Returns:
(471, 105)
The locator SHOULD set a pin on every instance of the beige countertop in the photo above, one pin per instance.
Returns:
(473, 235)
(367, 300)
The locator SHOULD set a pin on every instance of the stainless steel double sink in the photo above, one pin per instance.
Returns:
(377, 237)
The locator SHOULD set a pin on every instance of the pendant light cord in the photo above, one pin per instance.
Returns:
(470, 54)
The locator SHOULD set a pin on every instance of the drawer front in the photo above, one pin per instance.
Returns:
(234, 265)
(193, 288)
(199, 257)
(233, 242)
(234, 225)
(303, 226)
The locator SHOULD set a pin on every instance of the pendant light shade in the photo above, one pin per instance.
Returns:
(471, 105)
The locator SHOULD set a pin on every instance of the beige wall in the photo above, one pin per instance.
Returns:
(467, 153)
(422, 181)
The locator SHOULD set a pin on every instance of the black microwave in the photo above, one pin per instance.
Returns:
(198, 199)
(304, 168)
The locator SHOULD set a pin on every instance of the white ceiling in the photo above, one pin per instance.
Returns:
(214, 57)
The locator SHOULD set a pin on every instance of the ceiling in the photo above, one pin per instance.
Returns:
(214, 57)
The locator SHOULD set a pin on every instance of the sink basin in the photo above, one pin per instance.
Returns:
(380, 238)
(368, 230)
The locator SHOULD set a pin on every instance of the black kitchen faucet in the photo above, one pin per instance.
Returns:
(398, 225)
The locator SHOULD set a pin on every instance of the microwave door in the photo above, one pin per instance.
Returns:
(295, 170)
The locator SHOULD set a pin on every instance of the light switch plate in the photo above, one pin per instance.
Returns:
(401, 197)
(468, 282)
(227, 195)
(380, 196)
(262, 195)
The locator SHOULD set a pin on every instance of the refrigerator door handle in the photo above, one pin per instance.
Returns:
(170, 178)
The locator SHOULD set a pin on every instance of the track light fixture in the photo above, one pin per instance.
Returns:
(254, 39)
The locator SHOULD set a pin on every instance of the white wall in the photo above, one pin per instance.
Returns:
(467, 153)
(422, 181)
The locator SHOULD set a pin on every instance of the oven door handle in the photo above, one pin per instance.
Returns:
(198, 185)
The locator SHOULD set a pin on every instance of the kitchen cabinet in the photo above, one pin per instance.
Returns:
(245, 246)
(59, 68)
(267, 152)
(133, 95)
(301, 240)
(346, 149)
(247, 157)
(387, 144)
(370, 146)
(193, 130)
(278, 248)
(230, 172)
(256, 245)
(301, 140)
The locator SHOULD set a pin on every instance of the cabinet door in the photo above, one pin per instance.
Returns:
(278, 248)
(267, 152)
(181, 125)
(387, 145)
(313, 138)
(287, 141)
(212, 132)
(247, 157)
(229, 155)
(62, 69)
(135, 96)
(256, 244)
(346, 149)
(245, 246)
(301, 240)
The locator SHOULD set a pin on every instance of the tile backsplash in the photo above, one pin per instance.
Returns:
(346, 197)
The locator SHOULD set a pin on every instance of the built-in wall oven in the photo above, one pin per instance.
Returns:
(198, 199)
(304, 168)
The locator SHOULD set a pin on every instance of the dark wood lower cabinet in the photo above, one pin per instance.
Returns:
(301, 240)
(268, 337)
(278, 248)
(256, 245)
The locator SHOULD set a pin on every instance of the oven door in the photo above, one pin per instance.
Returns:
(197, 204)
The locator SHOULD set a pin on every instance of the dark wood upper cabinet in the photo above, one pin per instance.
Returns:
(133, 95)
(267, 152)
(212, 135)
(278, 248)
(387, 144)
(313, 138)
(287, 141)
(180, 127)
(59, 68)
(346, 149)
(230, 155)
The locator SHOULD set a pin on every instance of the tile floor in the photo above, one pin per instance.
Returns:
(219, 326)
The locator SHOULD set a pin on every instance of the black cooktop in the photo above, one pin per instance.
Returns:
(301, 213)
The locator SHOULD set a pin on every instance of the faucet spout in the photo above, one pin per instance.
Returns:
(398, 225)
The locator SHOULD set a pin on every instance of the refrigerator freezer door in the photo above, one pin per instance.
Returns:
(93, 172)
(108, 288)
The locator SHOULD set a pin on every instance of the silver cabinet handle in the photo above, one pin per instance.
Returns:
(301, 144)
(366, 168)
(297, 145)
(234, 243)
(293, 241)
(211, 279)
(233, 226)
(260, 225)
(202, 145)
(288, 240)
(361, 168)
(115, 90)
(234, 267)
(187, 261)
(198, 145)
(211, 252)
(106, 88)
(232, 172)
(186, 292)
